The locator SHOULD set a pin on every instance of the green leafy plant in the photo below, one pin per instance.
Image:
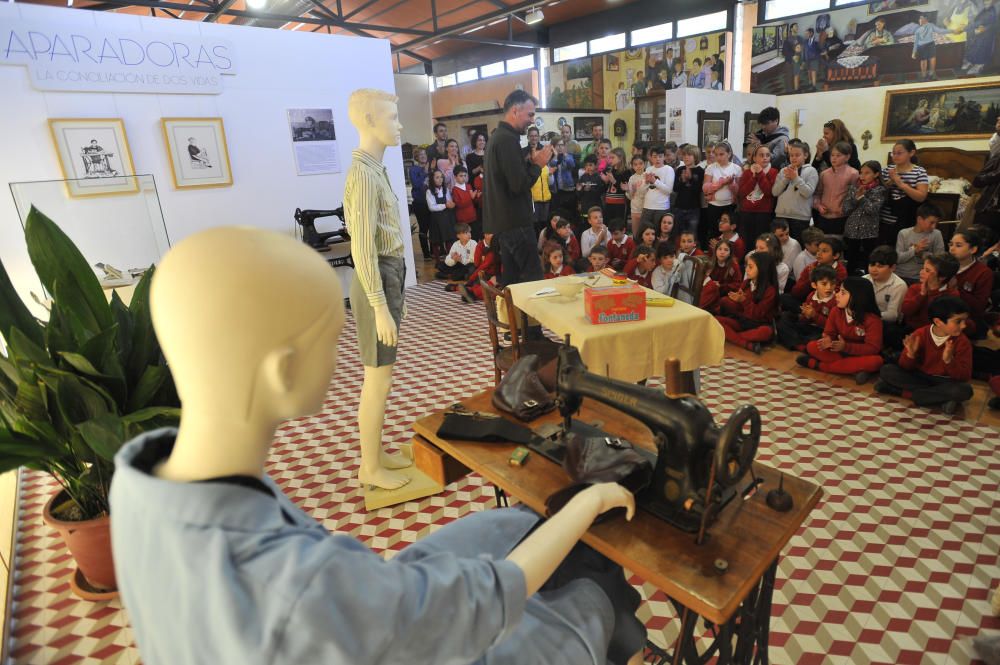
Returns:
(74, 389)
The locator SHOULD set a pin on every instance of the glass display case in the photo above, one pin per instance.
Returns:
(120, 235)
(651, 119)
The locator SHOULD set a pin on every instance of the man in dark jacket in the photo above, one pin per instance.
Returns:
(509, 175)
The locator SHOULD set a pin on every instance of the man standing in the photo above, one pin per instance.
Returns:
(598, 133)
(507, 210)
(438, 149)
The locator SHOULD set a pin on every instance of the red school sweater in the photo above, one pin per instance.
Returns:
(863, 338)
(821, 310)
(930, 358)
(749, 183)
(632, 272)
(762, 312)
(729, 278)
(566, 270)
(618, 255)
(465, 208)
(738, 246)
(485, 265)
(915, 305)
(975, 284)
(804, 283)
(709, 300)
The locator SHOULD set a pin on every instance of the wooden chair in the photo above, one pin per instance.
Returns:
(698, 271)
(504, 356)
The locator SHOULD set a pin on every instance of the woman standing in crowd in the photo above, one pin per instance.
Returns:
(447, 164)
(835, 131)
(474, 160)
(907, 185)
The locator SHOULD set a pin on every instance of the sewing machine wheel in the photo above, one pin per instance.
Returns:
(736, 449)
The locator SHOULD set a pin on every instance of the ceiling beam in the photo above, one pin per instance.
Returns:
(360, 8)
(496, 41)
(220, 9)
(114, 4)
(465, 25)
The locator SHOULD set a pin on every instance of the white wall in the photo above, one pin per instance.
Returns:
(278, 70)
(414, 107)
(737, 103)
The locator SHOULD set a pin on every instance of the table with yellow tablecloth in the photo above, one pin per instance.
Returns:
(631, 350)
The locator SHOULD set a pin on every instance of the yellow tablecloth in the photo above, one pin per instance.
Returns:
(631, 350)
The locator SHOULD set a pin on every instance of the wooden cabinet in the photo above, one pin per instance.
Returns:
(651, 119)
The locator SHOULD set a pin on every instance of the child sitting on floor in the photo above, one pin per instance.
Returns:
(554, 257)
(724, 269)
(974, 281)
(748, 314)
(565, 237)
(621, 247)
(687, 244)
(811, 237)
(889, 287)
(920, 239)
(710, 298)
(667, 270)
(936, 364)
(598, 258)
(640, 268)
(829, 253)
(852, 339)
(647, 238)
(487, 264)
(460, 262)
(666, 230)
(727, 232)
(597, 234)
(767, 242)
(934, 277)
(795, 330)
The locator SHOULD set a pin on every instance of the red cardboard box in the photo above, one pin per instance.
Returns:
(615, 304)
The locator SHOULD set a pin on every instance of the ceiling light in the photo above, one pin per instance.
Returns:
(256, 4)
(534, 16)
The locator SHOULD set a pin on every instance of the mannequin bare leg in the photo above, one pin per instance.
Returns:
(376, 464)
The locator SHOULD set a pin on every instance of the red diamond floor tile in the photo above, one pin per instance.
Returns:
(894, 566)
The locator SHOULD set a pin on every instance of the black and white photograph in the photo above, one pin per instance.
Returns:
(311, 125)
(94, 155)
(198, 153)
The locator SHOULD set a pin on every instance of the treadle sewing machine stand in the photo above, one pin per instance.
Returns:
(717, 557)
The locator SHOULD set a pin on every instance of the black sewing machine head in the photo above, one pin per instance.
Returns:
(312, 237)
(698, 464)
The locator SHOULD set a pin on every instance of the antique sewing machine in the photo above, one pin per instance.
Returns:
(697, 465)
(322, 240)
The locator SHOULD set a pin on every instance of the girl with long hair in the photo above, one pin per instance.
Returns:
(852, 339)
(748, 314)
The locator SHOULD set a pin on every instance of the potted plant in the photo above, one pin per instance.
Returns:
(75, 388)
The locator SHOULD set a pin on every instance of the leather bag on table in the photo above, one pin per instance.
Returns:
(590, 460)
(521, 392)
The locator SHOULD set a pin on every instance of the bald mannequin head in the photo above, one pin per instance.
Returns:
(248, 321)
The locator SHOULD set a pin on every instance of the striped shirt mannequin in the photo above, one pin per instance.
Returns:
(372, 220)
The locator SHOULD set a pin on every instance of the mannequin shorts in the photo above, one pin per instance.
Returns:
(392, 270)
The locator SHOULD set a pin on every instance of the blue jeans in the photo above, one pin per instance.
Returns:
(519, 261)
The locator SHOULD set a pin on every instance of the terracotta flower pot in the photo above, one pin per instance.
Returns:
(89, 543)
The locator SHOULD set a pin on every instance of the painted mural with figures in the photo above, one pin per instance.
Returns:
(877, 43)
(613, 80)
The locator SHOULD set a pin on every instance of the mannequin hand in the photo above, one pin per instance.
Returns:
(607, 496)
(403, 313)
(385, 326)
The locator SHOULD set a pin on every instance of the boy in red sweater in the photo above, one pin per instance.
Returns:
(727, 232)
(797, 330)
(464, 197)
(936, 364)
(829, 253)
(486, 265)
(641, 267)
(934, 277)
(756, 202)
(621, 246)
(973, 281)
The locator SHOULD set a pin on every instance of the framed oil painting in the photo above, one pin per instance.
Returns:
(967, 111)
(712, 127)
(583, 126)
(94, 156)
(198, 153)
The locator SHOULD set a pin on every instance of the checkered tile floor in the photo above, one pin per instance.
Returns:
(894, 566)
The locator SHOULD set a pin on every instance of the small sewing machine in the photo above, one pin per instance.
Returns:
(321, 241)
(697, 465)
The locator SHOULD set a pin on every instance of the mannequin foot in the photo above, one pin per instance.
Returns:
(382, 479)
(393, 461)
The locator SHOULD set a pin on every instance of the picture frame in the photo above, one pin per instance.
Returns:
(198, 153)
(943, 113)
(751, 123)
(94, 156)
(583, 126)
(712, 127)
(612, 62)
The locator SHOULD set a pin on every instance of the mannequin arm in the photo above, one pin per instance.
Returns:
(541, 553)
(385, 325)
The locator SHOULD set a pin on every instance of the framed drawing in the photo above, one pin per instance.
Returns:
(712, 127)
(966, 111)
(583, 126)
(198, 153)
(751, 123)
(94, 156)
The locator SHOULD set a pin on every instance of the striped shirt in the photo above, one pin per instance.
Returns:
(371, 214)
(912, 178)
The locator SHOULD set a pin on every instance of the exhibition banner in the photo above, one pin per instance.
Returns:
(99, 60)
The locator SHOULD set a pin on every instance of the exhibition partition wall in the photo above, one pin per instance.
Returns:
(284, 139)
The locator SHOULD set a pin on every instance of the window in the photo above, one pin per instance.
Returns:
(467, 75)
(494, 69)
(775, 9)
(524, 62)
(609, 43)
(444, 81)
(710, 22)
(570, 52)
(655, 33)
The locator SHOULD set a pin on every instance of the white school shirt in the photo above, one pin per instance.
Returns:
(466, 253)
(723, 196)
(658, 195)
(588, 241)
(801, 261)
(889, 296)
(789, 250)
